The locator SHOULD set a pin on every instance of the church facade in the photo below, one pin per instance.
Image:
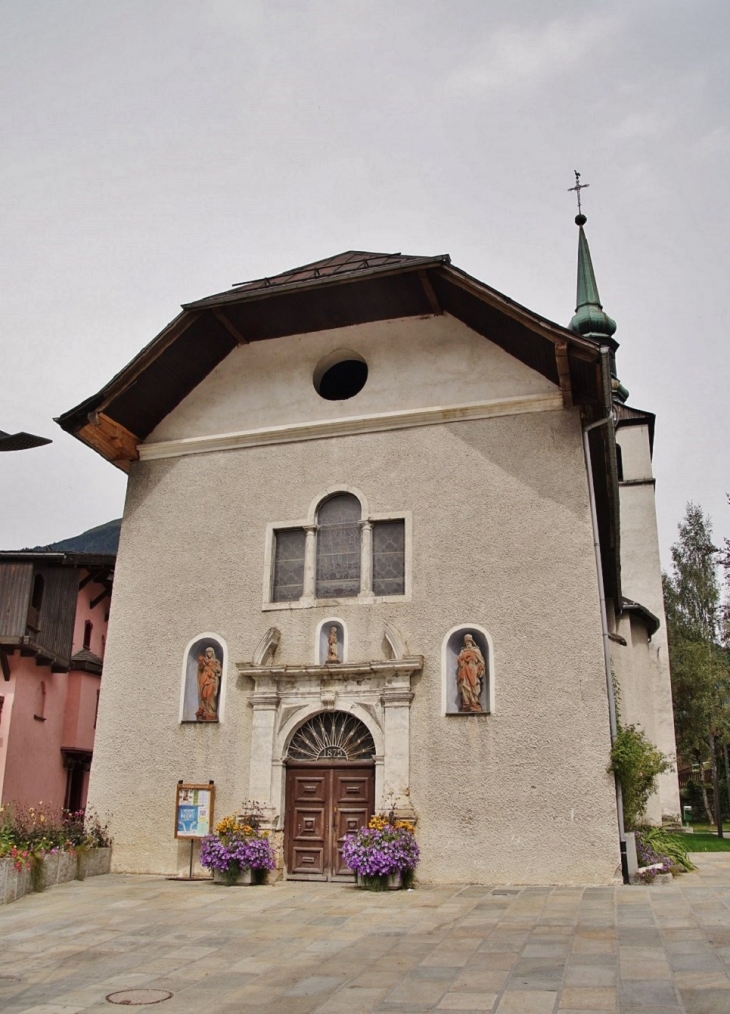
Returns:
(374, 558)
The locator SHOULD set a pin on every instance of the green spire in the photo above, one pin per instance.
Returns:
(589, 319)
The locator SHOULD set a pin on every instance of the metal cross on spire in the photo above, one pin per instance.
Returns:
(578, 187)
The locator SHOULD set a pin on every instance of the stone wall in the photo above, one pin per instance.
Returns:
(57, 869)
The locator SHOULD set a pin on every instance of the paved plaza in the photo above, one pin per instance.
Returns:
(330, 948)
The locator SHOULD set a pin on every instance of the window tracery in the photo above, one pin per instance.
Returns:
(332, 735)
(339, 553)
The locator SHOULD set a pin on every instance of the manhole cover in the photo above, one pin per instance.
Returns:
(138, 997)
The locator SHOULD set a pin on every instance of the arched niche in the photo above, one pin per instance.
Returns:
(465, 649)
(331, 638)
(204, 665)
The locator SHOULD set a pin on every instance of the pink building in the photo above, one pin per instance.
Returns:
(54, 608)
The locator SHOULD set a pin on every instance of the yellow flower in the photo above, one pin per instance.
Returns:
(227, 825)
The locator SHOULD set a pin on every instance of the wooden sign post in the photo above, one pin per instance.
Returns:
(193, 813)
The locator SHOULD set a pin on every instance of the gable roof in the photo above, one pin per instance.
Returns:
(354, 287)
(350, 288)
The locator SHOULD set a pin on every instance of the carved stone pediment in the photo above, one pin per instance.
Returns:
(283, 697)
(384, 668)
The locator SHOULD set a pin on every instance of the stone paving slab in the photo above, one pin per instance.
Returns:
(297, 948)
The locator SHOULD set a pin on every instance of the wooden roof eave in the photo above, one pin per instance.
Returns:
(582, 348)
(609, 510)
(69, 421)
(118, 443)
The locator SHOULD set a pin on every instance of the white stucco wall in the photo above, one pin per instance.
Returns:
(412, 363)
(638, 677)
(501, 538)
(641, 582)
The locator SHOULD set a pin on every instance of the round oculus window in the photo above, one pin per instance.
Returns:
(340, 375)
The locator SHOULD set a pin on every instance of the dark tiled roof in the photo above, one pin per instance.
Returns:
(652, 622)
(86, 659)
(341, 264)
(349, 263)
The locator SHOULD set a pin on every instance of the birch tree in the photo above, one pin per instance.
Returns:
(699, 664)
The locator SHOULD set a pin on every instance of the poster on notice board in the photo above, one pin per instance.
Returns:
(193, 810)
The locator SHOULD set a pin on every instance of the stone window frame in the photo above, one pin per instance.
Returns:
(210, 635)
(445, 674)
(309, 524)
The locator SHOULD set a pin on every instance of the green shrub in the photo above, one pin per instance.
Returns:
(666, 844)
(636, 762)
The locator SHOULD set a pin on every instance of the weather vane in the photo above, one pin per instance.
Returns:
(578, 187)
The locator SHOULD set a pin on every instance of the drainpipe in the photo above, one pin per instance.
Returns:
(613, 723)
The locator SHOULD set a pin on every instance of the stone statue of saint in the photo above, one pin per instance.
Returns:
(209, 681)
(470, 670)
(332, 655)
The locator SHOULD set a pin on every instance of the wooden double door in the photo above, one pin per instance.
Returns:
(324, 802)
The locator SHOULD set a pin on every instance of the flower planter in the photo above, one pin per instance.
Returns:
(237, 852)
(388, 882)
(385, 844)
(58, 868)
(244, 878)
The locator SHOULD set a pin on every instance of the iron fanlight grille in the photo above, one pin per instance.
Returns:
(332, 735)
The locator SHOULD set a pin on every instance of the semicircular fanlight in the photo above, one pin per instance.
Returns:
(332, 735)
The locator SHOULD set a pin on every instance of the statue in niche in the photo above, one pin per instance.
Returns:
(209, 681)
(470, 670)
(332, 654)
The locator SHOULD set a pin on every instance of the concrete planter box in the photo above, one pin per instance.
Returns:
(389, 882)
(57, 869)
(246, 878)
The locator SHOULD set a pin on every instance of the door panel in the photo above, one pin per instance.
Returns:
(352, 792)
(307, 820)
(324, 803)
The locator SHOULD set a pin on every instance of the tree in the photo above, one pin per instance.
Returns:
(699, 664)
(725, 614)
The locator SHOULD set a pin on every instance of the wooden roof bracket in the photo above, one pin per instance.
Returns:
(563, 364)
(229, 326)
(580, 347)
(100, 597)
(431, 296)
(112, 440)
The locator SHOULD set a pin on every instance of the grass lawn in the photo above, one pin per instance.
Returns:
(704, 841)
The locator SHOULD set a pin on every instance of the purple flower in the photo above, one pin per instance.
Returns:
(246, 853)
(375, 852)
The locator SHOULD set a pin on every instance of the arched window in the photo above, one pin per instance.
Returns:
(88, 627)
(338, 547)
(340, 551)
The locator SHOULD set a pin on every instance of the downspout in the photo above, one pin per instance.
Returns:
(612, 718)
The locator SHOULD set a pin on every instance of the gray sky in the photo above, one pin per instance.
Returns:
(155, 151)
